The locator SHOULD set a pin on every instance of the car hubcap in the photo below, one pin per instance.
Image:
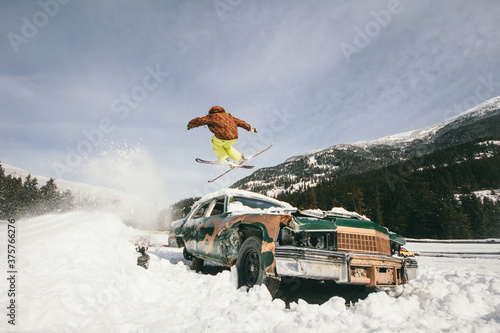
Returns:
(252, 270)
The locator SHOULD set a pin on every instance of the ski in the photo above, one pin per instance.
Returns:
(232, 168)
(199, 160)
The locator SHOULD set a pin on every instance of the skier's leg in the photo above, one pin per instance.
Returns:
(231, 151)
(219, 150)
(234, 154)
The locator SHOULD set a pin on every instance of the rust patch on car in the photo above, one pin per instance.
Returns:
(268, 224)
(211, 232)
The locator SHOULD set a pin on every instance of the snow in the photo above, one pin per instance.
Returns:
(77, 272)
(236, 192)
(490, 142)
(335, 211)
(493, 195)
(239, 208)
(343, 211)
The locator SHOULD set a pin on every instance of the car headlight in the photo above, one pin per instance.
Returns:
(316, 241)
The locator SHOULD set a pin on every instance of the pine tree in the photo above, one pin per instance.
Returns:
(492, 217)
(3, 200)
(30, 195)
(472, 207)
(51, 198)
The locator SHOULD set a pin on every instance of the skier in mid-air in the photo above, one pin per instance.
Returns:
(225, 129)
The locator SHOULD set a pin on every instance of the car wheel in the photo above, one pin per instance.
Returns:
(187, 255)
(249, 268)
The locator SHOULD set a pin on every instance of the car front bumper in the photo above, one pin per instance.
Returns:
(344, 268)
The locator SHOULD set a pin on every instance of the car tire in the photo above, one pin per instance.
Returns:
(187, 255)
(249, 265)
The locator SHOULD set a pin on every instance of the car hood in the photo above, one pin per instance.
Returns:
(301, 223)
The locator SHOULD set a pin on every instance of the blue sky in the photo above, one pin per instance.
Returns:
(84, 79)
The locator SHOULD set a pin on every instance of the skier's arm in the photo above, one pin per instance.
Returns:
(197, 122)
(242, 124)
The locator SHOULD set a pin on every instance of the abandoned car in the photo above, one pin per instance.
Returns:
(268, 239)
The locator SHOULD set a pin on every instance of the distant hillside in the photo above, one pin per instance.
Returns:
(442, 181)
(449, 194)
(312, 169)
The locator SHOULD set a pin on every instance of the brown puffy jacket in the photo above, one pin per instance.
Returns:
(222, 124)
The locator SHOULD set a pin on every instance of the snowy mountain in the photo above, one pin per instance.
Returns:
(320, 166)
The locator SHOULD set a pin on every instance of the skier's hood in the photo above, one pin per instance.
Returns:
(216, 109)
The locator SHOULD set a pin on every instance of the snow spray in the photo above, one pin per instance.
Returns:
(139, 191)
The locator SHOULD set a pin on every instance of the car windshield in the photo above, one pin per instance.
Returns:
(254, 203)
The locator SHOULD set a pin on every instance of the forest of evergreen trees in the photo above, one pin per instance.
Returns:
(428, 197)
(20, 197)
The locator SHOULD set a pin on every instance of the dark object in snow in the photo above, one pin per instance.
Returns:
(197, 264)
(143, 259)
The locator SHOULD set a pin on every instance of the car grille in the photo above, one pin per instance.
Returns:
(377, 243)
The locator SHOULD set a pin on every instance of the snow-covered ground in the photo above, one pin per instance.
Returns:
(77, 272)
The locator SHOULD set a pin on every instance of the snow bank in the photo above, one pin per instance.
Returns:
(78, 273)
(468, 248)
(72, 271)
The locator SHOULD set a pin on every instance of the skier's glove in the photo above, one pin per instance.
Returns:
(253, 130)
(189, 127)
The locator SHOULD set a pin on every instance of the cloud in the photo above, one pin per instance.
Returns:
(255, 59)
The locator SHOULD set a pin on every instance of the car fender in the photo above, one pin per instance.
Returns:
(269, 225)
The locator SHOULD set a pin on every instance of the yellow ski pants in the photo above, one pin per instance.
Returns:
(224, 149)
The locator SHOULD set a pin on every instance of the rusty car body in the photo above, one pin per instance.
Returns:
(268, 239)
